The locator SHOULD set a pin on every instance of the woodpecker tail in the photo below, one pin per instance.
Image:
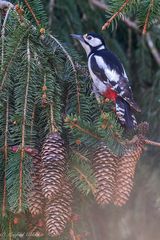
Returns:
(124, 113)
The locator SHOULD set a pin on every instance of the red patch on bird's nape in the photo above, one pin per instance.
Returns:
(110, 94)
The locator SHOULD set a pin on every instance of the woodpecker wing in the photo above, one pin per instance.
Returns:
(108, 69)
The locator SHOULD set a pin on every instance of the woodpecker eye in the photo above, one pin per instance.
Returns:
(89, 37)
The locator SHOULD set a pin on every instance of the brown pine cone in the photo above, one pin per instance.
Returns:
(126, 166)
(58, 211)
(53, 165)
(104, 165)
(35, 198)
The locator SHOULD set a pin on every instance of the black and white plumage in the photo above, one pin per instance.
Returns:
(109, 77)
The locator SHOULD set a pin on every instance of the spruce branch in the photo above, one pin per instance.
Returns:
(154, 143)
(3, 36)
(32, 122)
(6, 70)
(78, 154)
(24, 126)
(83, 176)
(32, 12)
(74, 70)
(81, 129)
(4, 201)
(126, 20)
(147, 17)
(107, 24)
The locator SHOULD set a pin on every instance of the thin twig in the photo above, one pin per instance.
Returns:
(147, 17)
(83, 158)
(51, 7)
(24, 126)
(73, 124)
(4, 201)
(10, 230)
(31, 11)
(107, 24)
(82, 175)
(152, 48)
(32, 123)
(74, 70)
(11, 60)
(126, 20)
(134, 26)
(147, 141)
(72, 234)
(52, 121)
(130, 24)
(3, 36)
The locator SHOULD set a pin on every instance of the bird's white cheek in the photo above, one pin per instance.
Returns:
(86, 48)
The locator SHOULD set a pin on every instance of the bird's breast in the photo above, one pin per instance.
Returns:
(101, 87)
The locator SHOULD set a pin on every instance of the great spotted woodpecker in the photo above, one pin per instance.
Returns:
(109, 77)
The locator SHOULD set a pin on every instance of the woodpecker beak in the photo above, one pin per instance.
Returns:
(78, 37)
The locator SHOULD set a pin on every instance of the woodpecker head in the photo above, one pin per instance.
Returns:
(90, 42)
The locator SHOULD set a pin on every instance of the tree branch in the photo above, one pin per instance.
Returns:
(152, 48)
(6, 70)
(147, 17)
(107, 24)
(52, 121)
(86, 131)
(51, 7)
(3, 36)
(31, 11)
(83, 176)
(4, 201)
(74, 71)
(24, 126)
(147, 141)
(126, 20)
(134, 26)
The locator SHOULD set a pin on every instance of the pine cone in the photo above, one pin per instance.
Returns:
(126, 166)
(142, 128)
(58, 211)
(104, 164)
(35, 202)
(36, 228)
(35, 198)
(54, 165)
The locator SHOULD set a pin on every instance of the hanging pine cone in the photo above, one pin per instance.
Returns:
(35, 198)
(142, 128)
(54, 165)
(58, 211)
(126, 166)
(35, 202)
(104, 164)
(36, 228)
